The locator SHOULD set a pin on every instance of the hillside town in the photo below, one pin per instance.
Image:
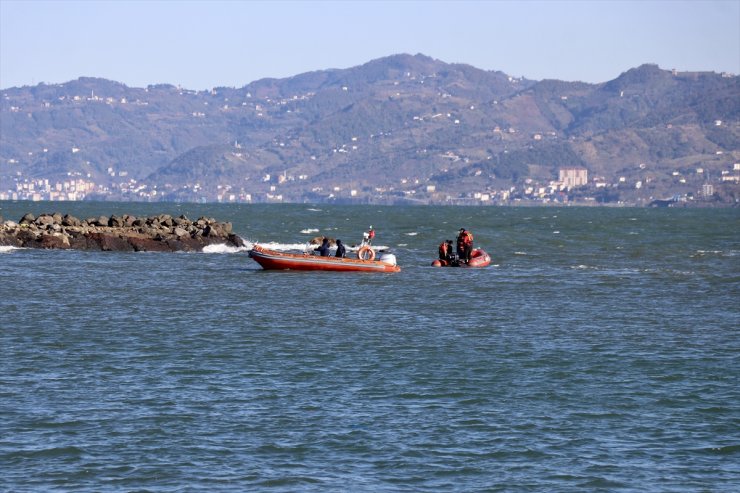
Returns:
(574, 186)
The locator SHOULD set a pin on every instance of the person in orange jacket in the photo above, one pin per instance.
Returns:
(465, 245)
(444, 250)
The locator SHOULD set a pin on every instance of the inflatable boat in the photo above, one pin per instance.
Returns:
(274, 260)
(478, 258)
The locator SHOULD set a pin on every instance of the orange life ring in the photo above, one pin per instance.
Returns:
(366, 253)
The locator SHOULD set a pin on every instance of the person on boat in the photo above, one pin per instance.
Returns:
(451, 257)
(445, 250)
(367, 238)
(324, 248)
(341, 251)
(464, 245)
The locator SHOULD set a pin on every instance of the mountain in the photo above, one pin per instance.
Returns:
(398, 128)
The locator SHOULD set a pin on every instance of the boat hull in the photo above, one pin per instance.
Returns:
(478, 258)
(274, 260)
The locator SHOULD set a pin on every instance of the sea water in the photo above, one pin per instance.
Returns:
(599, 352)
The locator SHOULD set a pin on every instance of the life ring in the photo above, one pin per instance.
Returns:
(366, 253)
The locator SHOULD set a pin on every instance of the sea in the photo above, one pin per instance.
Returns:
(600, 351)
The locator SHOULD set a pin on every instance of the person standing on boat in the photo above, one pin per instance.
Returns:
(367, 238)
(324, 248)
(341, 251)
(464, 245)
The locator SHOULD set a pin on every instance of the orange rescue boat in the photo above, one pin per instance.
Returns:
(275, 260)
(478, 258)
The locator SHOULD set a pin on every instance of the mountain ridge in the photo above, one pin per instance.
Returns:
(394, 128)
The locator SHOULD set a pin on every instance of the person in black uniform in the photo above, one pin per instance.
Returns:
(324, 248)
(341, 251)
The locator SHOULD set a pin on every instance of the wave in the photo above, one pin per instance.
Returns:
(8, 249)
(309, 231)
(224, 248)
(304, 247)
(354, 248)
(718, 253)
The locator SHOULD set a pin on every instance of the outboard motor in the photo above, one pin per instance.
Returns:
(388, 258)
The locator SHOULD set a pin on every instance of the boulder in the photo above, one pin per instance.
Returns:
(27, 237)
(128, 220)
(110, 242)
(101, 221)
(185, 244)
(44, 220)
(235, 240)
(28, 219)
(115, 222)
(81, 241)
(165, 220)
(140, 244)
(54, 241)
(68, 220)
(181, 221)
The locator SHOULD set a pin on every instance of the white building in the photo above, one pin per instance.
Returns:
(573, 177)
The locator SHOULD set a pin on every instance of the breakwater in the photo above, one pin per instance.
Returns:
(160, 233)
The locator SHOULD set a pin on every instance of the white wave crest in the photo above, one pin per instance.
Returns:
(8, 249)
(309, 231)
(303, 247)
(719, 253)
(224, 248)
(354, 248)
(413, 233)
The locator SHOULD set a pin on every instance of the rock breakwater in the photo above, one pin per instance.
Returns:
(162, 233)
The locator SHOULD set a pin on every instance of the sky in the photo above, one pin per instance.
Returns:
(204, 44)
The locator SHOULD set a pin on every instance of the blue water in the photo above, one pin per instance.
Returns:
(600, 352)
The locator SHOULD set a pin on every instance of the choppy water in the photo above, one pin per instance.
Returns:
(601, 352)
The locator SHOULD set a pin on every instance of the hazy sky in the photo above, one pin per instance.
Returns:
(205, 44)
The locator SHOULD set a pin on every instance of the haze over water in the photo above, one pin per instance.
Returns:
(600, 352)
